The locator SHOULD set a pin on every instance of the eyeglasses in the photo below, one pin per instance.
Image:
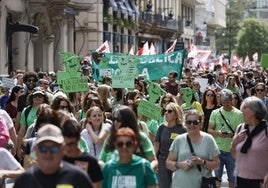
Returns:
(38, 95)
(51, 149)
(116, 119)
(166, 101)
(127, 144)
(31, 80)
(209, 95)
(189, 122)
(63, 107)
(168, 111)
(261, 90)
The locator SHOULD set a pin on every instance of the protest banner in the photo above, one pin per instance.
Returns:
(152, 67)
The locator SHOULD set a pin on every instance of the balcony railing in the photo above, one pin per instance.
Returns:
(160, 21)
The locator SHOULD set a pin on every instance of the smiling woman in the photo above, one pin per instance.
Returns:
(181, 160)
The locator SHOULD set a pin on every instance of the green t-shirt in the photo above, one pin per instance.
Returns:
(147, 146)
(83, 145)
(136, 174)
(234, 117)
(30, 118)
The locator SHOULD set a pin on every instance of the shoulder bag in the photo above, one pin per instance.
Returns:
(205, 182)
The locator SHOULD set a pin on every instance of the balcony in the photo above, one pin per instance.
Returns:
(160, 21)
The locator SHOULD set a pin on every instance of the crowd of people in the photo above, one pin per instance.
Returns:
(202, 128)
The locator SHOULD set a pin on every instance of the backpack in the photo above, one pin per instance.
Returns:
(4, 133)
(27, 111)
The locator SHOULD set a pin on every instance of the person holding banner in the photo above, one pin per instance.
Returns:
(172, 85)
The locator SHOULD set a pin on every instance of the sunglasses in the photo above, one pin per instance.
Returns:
(38, 96)
(189, 122)
(51, 149)
(127, 144)
(168, 111)
(209, 95)
(261, 90)
(116, 119)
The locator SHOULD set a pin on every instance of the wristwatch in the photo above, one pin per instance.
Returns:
(204, 162)
(177, 165)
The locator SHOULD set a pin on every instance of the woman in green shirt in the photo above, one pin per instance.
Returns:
(123, 116)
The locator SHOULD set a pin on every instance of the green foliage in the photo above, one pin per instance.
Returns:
(252, 38)
(235, 13)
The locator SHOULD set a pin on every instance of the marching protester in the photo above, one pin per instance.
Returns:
(209, 103)
(28, 116)
(123, 116)
(167, 132)
(129, 170)
(222, 125)
(74, 155)
(192, 155)
(95, 131)
(250, 145)
(51, 170)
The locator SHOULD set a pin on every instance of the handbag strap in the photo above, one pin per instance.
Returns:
(226, 122)
(192, 150)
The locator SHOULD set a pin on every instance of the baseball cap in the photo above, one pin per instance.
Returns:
(49, 132)
(38, 90)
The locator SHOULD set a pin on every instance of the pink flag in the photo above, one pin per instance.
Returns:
(192, 47)
(247, 63)
(144, 50)
(172, 47)
(104, 47)
(255, 56)
(152, 50)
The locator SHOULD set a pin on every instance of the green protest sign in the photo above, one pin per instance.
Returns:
(152, 67)
(122, 81)
(264, 60)
(155, 91)
(149, 110)
(187, 95)
(71, 80)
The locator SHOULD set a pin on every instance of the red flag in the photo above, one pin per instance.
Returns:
(172, 47)
(104, 47)
(144, 50)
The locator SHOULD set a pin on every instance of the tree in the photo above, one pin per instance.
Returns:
(252, 38)
(226, 39)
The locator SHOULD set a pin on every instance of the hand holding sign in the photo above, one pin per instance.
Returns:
(187, 95)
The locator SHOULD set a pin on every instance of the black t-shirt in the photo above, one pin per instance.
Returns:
(165, 136)
(207, 113)
(68, 175)
(87, 163)
(173, 89)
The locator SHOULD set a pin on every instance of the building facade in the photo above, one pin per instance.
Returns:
(33, 32)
